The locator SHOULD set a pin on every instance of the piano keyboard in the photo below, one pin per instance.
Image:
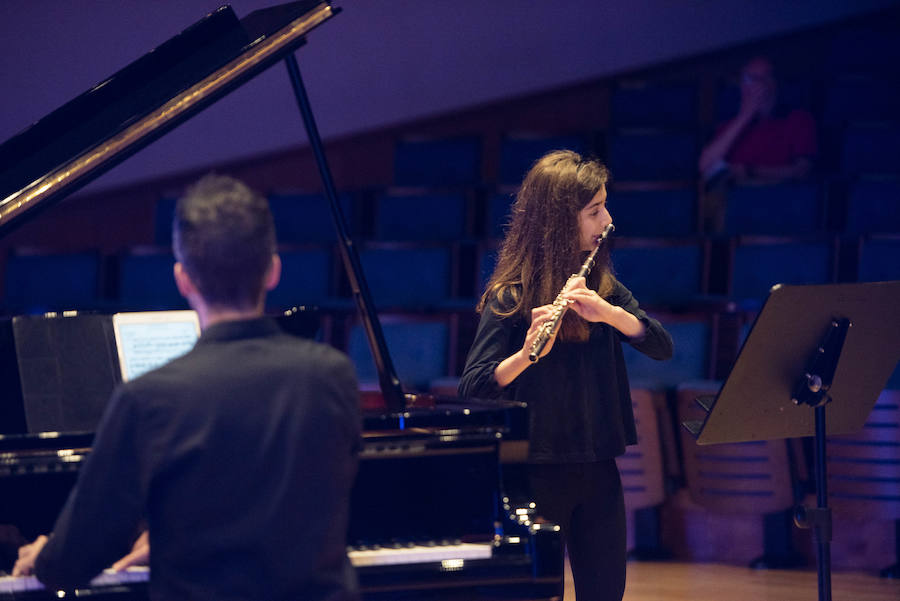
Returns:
(419, 554)
(359, 558)
(21, 584)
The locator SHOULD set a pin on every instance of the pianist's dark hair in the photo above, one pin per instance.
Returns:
(224, 236)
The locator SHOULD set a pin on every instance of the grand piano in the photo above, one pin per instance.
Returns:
(431, 516)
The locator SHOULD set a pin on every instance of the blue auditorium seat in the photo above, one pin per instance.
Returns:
(420, 217)
(871, 148)
(783, 209)
(669, 211)
(36, 282)
(640, 155)
(860, 99)
(760, 264)
(487, 260)
(879, 259)
(299, 218)
(162, 220)
(418, 349)
(146, 282)
(498, 214)
(663, 105)
(304, 218)
(306, 278)
(519, 152)
(409, 276)
(872, 49)
(448, 162)
(873, 206)
(660, 272)
(692, 337)
(656, 272)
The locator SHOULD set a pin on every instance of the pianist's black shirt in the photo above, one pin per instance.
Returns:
(579, 402)
(240, 455)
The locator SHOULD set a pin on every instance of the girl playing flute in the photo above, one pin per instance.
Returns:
(580, 415)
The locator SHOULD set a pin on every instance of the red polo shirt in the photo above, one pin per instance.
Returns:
(775, 141)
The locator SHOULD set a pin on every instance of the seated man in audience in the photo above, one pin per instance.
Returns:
(239, 455)
(766, 143)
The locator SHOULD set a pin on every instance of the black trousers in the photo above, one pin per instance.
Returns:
(586, 501)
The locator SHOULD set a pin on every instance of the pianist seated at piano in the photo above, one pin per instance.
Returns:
(239, 455)
(553, 340)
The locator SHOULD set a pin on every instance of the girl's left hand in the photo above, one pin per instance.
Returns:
(586, 302)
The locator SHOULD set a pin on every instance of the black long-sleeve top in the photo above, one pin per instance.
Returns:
(579, 402)
(240, 455)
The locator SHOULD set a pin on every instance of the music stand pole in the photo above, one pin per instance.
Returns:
(823, 525)
(819, 518)
(812, 389)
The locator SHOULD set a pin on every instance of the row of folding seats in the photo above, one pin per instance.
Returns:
(300, 218)
(864, 206)
(428, 346)
(418, 277)
(638, 154)
(861, 136)
(868, 205)
(423, 329)
(677, 272)
(449, 276)
(424, 348)
(393, 215)
(646, 155)
(429, 350)
(850, 98)
(856, 111)
(674, 105)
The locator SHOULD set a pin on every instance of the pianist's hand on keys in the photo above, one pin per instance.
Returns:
(139, 555)
(27, 554)
(21, 584)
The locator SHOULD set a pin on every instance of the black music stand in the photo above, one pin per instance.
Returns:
(812, 347)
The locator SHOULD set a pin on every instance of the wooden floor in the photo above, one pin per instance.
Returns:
(672, 581)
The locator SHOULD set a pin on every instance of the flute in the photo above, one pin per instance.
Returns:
(550, 326)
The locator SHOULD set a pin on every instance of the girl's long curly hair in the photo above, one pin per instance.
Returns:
(541, 248)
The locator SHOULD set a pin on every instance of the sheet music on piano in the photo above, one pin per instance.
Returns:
(414, 528)
(147, 339)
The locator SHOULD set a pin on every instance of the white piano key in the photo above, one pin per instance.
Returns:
(420, 554)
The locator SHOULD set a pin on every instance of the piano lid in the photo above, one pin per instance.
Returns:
(89, 135)
(117, 117)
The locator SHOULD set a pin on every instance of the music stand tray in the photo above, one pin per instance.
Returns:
(755, 403)
(812, 347)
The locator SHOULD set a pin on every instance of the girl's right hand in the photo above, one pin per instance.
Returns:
(539, 316)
